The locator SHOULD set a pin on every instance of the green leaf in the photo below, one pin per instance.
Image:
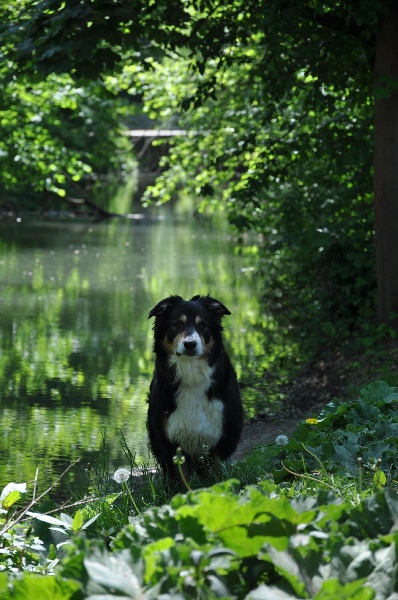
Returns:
(375, 516)
(67, 519)
(11, 499)
(110, 573)
(151, 554)
(9, 488)
(377, 392)
(48, 519)
(288, 567)
(379, 479)
(269, 592)
(4, 589)
(346, 458)
(45, 588)
(247, 541)
(90, 521)
(333, 589)
(77, 522)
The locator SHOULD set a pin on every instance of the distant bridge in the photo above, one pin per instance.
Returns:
(165, 133)
(148, 156)
(154, 133)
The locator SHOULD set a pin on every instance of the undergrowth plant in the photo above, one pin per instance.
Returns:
(225, 543)
(324, 526)
(356, 439)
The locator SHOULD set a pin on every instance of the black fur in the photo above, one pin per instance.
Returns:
(182, 330)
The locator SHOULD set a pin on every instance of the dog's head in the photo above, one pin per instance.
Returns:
(188, 327)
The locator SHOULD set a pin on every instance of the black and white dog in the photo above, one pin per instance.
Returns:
(194, 399)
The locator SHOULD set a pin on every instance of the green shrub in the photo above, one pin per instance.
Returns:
(348, 437)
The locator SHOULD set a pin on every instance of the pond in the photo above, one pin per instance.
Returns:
(75, 340)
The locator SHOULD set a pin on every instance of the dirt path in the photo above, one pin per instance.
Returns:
(262, 432)
(317, 384)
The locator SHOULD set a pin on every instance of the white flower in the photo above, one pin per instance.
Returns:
(12, 487)
(121, 475)
(281, 440)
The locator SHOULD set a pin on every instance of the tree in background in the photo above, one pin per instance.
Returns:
(58, 141)
(315, 212)
(290, 89)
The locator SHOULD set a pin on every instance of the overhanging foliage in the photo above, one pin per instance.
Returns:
(283, 99)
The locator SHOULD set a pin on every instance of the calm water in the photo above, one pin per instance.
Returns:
(75, 341)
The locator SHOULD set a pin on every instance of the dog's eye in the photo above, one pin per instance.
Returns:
(203, 326)
(178, 324)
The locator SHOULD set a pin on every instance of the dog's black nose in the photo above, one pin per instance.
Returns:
(190, 345)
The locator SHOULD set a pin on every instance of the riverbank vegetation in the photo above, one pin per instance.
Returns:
(60, 143)
(313, 516)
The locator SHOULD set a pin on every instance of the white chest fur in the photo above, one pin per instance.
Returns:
(196, 424)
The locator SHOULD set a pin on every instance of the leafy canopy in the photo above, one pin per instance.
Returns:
(278, 96)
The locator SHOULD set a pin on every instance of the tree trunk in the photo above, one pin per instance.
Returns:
(386, 169)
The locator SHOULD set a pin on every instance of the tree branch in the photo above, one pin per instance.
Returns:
(86, 200)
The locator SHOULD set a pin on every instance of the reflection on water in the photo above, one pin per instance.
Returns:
(75, 341)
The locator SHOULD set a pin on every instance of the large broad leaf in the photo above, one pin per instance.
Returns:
(244, 523)
(31, 587)
(375, 516)
(112, 574)
(334, 590)
(379, 393)
(362, 412)
(287, 566)
(332, 410)
(346, 458)
(384, 577)
(376, 450)
(269, 592)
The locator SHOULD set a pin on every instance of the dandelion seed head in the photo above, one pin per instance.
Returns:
(281, 440)
(121, 475)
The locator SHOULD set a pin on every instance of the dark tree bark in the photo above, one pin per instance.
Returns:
(386, 168)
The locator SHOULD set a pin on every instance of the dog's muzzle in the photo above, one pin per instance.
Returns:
(190, 346)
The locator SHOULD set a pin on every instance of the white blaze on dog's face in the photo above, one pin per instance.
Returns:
(189, 335)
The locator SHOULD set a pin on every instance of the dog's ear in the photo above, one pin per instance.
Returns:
(164, 305)
(214, 305)
(218, 308)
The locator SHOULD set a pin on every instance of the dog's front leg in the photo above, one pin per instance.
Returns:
(209, 467)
